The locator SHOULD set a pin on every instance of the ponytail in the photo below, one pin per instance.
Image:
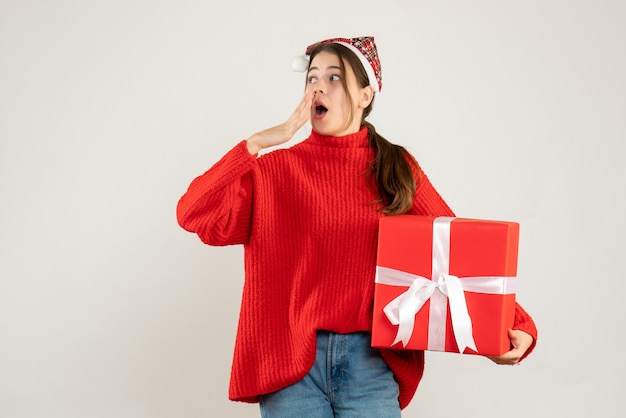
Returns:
(392, 174)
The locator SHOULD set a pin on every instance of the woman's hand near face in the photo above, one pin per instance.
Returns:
(282, 133)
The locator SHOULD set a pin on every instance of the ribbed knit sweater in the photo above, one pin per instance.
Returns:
(309, 229)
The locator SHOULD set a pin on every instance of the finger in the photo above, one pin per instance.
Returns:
(302, 107)
(501, 361)
(302, 113)
(510, 358)
(305, 104)
(520, 340)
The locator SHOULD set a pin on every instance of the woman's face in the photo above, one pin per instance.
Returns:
(332, 112)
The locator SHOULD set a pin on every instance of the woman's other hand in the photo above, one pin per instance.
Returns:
(521, 342)
(282, 133)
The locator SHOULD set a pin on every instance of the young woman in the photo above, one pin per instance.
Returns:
(308, 218)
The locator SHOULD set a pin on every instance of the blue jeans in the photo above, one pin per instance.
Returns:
(349, 380)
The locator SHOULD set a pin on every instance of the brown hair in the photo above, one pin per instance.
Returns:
(391, 171)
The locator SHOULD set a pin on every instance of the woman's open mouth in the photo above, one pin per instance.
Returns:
(320, 111)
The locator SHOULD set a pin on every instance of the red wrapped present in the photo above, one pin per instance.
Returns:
(445, 284)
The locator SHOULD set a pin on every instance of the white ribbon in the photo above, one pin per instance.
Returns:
(441, 289)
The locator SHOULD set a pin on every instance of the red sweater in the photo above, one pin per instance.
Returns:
(309, 230)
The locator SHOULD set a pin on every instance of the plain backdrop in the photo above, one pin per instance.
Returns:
(108, 109)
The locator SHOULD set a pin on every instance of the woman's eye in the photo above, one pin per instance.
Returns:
(312, 80)
(335, 77)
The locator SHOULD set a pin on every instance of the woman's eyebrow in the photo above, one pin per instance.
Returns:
(331, 67)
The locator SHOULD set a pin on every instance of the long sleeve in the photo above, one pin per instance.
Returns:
(218, 204)
(427, 200)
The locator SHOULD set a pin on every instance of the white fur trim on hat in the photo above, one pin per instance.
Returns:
(366, 64)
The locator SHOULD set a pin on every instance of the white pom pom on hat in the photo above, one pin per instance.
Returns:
(300, 63)
(363, 47)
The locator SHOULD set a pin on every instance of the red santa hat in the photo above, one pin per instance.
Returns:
(363, 47)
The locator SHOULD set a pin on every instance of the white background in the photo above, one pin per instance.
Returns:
(108, 109)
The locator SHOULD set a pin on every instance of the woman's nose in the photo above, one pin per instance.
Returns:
(319, 88)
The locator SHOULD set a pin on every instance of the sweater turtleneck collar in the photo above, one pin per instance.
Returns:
(356, 140)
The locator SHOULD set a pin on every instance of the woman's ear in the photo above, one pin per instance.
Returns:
(367, 95)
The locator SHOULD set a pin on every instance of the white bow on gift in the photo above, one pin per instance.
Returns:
(443, 288)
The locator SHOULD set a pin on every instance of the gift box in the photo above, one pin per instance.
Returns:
(445, 284)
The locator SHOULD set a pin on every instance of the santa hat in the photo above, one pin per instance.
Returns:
(363, 47)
